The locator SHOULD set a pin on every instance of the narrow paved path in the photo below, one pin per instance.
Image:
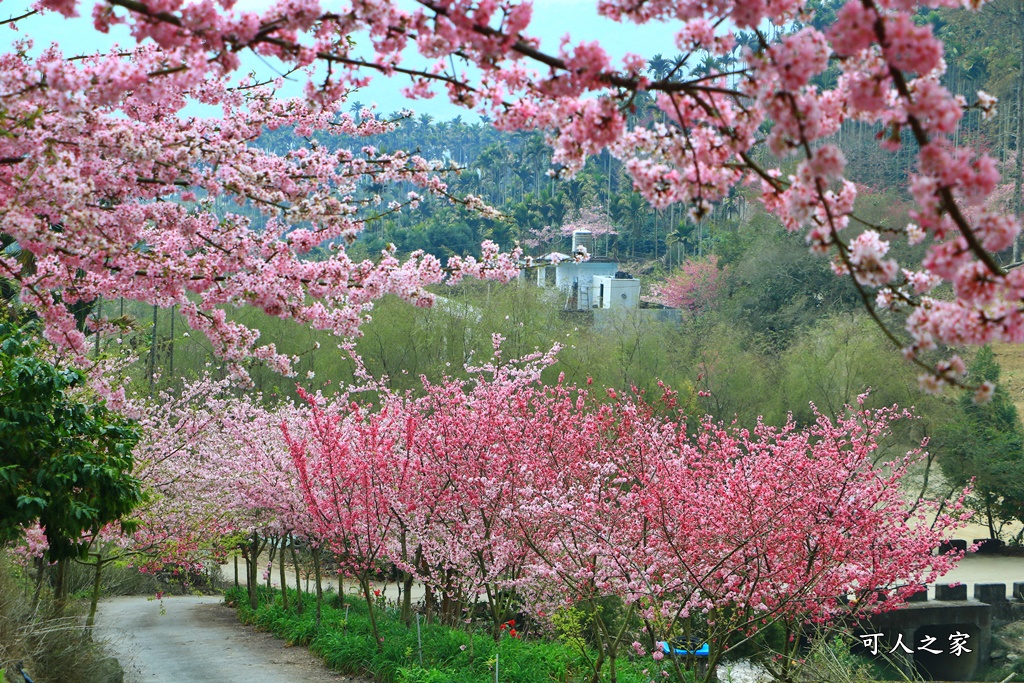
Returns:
(199, 640)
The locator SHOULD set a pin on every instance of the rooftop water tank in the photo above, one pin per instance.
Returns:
(583, 238)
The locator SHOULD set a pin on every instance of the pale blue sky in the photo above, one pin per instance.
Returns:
(552, 19)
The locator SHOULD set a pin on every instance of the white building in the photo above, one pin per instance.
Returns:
(596, 283)
(615, 292)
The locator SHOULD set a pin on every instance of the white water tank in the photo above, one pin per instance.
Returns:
(583, 238)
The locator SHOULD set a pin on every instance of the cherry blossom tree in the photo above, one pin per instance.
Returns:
(581, 518)
(467, 439)
(113, 194)
(616, 514)
(692, 287)
(841, 527)
(695, 537)
(221, 473)
(90, 145)
(213, 468)
(246, 462)
(428, 484)
(182, 518)
(340, 469)
(174, 524)
(591, 218)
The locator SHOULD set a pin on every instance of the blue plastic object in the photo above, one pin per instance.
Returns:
(19, 670)
(701, 651)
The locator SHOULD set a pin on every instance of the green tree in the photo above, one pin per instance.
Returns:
(776, 290)
(65, 458)
(630, 210)
(986, 443)
(840, 357)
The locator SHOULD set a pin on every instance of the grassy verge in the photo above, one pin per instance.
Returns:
(50, 639)
(448, 655)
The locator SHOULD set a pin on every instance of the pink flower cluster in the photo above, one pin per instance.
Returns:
(693, 287)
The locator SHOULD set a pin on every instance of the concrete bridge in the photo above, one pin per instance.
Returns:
(947, 638)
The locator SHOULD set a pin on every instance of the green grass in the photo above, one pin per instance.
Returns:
(449, 655)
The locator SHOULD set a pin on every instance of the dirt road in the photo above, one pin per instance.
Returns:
(199, 640)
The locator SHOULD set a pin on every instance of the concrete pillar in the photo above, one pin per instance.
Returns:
(955, 544)
(990, 592)
(945, 591)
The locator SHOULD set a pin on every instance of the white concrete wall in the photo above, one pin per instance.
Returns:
(568, 273)
(618, 293)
